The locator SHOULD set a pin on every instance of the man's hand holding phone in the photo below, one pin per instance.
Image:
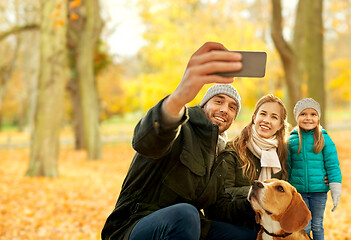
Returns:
(210, 58)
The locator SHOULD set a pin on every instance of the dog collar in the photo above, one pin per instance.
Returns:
(276, 235)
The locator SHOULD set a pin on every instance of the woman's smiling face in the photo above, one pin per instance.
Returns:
(268, 119)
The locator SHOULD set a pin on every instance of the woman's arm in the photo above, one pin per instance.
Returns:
(232, 177)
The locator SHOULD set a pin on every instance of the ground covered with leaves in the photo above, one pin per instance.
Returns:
(76, 205)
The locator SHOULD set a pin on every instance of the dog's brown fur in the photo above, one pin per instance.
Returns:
(279, 209)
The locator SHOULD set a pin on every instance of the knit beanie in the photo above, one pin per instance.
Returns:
(226, 89)
(306, 103)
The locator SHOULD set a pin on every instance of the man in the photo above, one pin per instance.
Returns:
(174, 174)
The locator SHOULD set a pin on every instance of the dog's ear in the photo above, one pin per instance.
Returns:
(297, 215)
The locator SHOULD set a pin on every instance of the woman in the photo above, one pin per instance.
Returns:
(259, 150)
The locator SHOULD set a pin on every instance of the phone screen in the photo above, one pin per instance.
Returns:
(254, 65)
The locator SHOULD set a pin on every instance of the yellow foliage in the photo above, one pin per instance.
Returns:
(59, 23)
(75, 3)
(58, 5)
(112, 95)
(74, 16)
(55, 14)
(15, 97)
(340, 85)
(175, 29)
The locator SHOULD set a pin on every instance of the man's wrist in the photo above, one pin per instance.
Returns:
(169, 120)
(173, 107)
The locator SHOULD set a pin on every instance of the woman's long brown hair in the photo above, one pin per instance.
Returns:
(239, 144)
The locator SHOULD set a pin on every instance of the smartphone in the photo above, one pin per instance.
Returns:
(254, 65)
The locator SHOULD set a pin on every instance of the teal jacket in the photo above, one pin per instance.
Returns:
(306, 170)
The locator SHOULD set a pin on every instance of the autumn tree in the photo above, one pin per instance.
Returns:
(304, 60)
(314, 53)
(84, 32)
(175, 29)
(6, 68)
(75, 25)
(287, 56)
(13, 42)
(27, 68)
(52, 78)
(337, 26)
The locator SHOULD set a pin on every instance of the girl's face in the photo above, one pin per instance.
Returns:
(268, 119)
(308, 119)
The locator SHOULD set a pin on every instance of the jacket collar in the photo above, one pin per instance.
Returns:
(295, 131)
(198, 117)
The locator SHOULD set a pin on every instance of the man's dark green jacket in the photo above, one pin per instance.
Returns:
(172, 166)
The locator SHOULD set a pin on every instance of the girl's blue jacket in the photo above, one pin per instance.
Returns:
(306, 170)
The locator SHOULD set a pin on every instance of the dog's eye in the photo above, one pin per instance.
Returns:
(269, 213)
(280, 188)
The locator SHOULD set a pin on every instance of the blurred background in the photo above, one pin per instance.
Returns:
(83, 64)
(77, 75)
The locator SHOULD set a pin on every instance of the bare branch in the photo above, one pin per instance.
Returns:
(282, 46)
(18, 29)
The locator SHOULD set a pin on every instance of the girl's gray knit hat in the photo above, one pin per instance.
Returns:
(226, 89)
(306, 103)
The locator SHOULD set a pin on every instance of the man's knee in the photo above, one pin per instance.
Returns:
(185, 221)
(186, 213)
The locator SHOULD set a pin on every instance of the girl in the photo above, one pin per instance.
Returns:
(258, 150)
(312, 155)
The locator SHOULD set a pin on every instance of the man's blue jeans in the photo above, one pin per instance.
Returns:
(182, 221)
(316, 204)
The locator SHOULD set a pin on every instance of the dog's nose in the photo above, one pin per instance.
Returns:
(257, 184)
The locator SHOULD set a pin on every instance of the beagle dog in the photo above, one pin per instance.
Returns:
(280, 210)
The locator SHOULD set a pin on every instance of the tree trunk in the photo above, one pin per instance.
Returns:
(31, 73)
(31, 67)
(288, 59)
(299, 42)
(85, 68)
(74, 31)
(7, 69)
(52, 78)
(77, 115)
(314, 53)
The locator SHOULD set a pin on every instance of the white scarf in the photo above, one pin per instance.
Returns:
(222, 141)
(266, 150)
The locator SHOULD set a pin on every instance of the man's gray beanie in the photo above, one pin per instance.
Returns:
(306, 103)
(226, 89)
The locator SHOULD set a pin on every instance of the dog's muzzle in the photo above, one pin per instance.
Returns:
(256, 186)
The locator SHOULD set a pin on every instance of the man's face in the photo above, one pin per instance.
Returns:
(221, 110)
